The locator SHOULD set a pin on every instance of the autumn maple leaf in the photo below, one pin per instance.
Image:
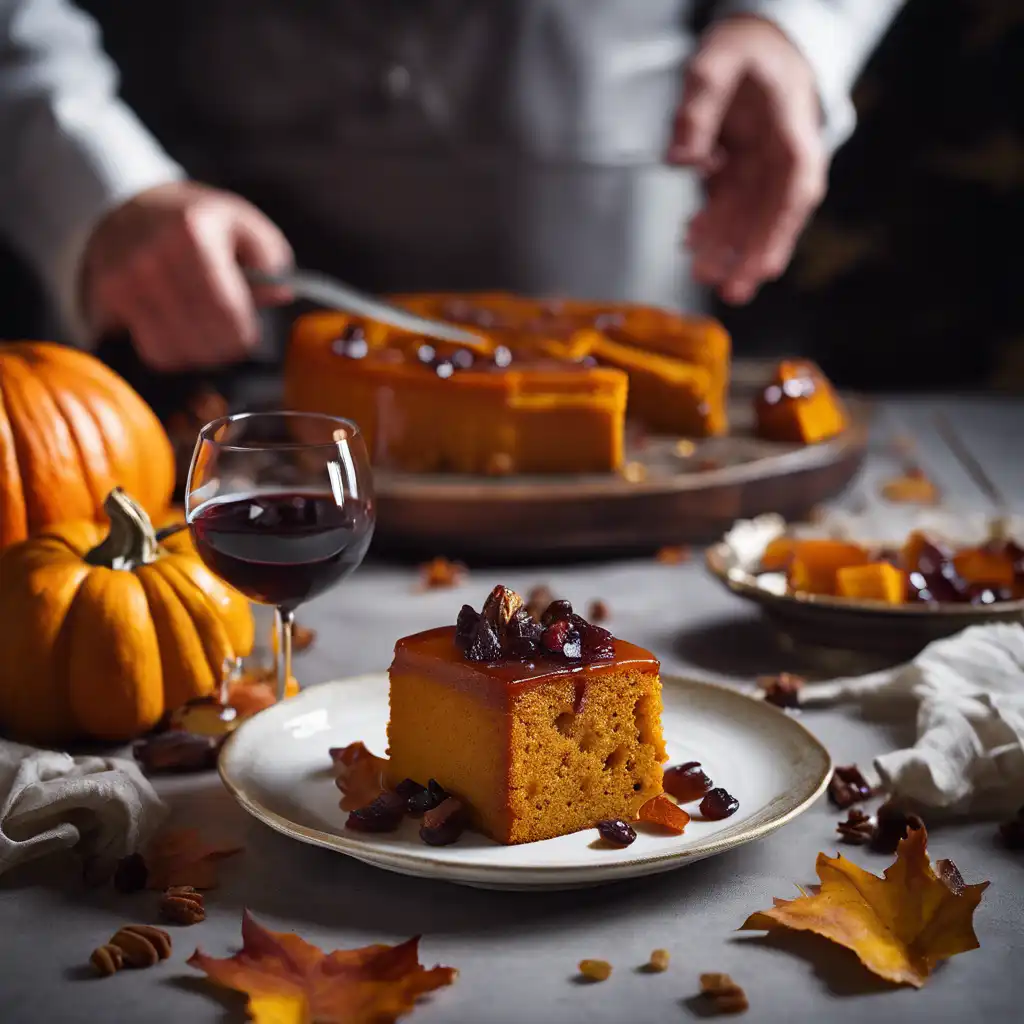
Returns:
(900, 926)
(181, 857)
(290, 981)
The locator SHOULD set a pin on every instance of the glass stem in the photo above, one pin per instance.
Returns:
(285, 620)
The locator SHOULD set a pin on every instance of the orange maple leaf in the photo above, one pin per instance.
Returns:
(900, 926)
(181, 857)
(289, 981)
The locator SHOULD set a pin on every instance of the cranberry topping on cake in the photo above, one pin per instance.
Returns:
(504, 630)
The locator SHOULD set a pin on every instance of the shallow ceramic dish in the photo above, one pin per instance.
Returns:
(277, 766)
(821, 624)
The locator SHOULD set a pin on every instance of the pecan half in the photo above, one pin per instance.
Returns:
(501, 606)
(182, 904)
(107, 960)
(858, 829)
(142, 945)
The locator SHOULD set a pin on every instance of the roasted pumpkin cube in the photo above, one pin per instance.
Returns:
(799, 405)
(816, 562)
(876, 581)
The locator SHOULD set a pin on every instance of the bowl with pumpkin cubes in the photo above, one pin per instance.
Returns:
(832, 587)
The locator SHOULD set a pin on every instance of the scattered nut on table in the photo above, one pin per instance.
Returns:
(723, 993)
(182, 904)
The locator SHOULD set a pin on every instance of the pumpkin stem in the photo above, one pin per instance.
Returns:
(132, 539)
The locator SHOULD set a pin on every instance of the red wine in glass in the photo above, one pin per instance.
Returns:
(282, 549)
(280, 506)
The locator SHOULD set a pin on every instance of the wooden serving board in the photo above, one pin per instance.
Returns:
(680, 500)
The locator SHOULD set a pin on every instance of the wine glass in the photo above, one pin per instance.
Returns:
(280, 505)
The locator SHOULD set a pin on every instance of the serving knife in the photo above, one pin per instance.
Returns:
(327, 291)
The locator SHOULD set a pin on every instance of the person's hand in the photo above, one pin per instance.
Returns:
(166, 266)
(750, 123)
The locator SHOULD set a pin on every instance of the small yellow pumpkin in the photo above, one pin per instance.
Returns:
(103, 629)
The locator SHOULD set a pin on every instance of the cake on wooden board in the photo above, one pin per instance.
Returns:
(539, 728)
(545, 391)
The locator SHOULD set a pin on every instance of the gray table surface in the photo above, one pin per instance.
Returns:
(516, 952)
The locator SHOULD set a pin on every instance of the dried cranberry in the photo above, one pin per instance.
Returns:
(718, 804)
(351, 342)
(522, 635)
(484, 645)
(596, 643)
(686, 782)
(1016, 555)
(943, 587)
(557, 611)
(423, 798)
(465, 625)
(985, 593)
(1012, 832)
(848, 786)
(131, 873)
(554, 637)
(893, 822)
(443, 824)
(615, 830)
(383, 815)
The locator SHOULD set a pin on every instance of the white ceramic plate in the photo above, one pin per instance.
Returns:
(277, 766)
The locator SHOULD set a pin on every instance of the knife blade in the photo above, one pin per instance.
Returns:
(327, 291)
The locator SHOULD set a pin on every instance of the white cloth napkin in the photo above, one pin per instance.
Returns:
(966, 694)
(103, 807)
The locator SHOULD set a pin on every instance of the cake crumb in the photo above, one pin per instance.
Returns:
(440, 572)
(723, 993)
(595, 970)
(634, 472)
(597, 611)
(659, 961)
(673, 555)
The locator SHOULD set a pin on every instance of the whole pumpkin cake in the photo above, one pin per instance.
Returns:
(540, 728)
(546, 389)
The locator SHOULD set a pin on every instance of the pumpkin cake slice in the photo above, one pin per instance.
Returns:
(540, 728)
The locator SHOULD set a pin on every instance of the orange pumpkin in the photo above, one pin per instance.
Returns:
(102, 629)
(70, 430)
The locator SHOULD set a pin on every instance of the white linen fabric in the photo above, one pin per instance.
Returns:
(966, 695)
(104, 808)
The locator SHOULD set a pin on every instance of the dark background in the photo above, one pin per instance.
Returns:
(910, 274)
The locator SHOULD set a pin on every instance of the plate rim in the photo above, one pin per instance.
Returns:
(482, 873)
(716, 555)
